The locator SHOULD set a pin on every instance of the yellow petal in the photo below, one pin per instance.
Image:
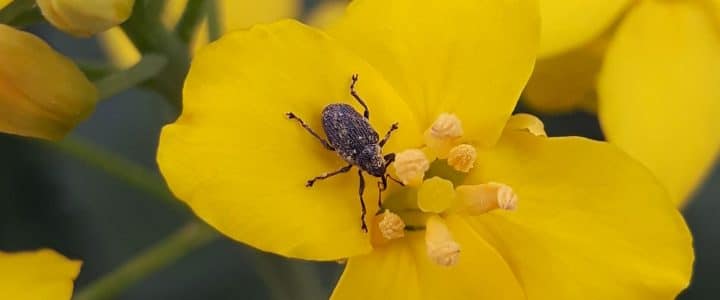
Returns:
(236, 159)
(569, 24)
(466, 57)
(593, 223)
(660, 92)
(402, 270)
(84, 18)
(241, 14)
(119, 48)
(37, 275)
(566, 82)
(4, 3)
(42, 93)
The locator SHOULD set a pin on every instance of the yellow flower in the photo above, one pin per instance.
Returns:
(234, 14)
(42, 93)
(649, 68)
(4, 3)
(533, 217)
(84, 18)
(37, 275)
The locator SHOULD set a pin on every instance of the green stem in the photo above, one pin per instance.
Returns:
(288, 279)
(150, 35)
(149, 66)
(190, 19)
(214, 27)
(164, 253)
(119, 167)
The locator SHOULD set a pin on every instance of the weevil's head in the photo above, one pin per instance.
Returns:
(372, 161)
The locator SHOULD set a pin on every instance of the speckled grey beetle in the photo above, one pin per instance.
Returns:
(351, 136)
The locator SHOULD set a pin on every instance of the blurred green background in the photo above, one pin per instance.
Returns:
(51, 200)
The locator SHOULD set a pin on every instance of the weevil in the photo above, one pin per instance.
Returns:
(351, 136)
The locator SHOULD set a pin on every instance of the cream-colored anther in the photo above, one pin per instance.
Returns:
(527, 122)
(481, 198)
(462, 157)
(410, 166)
(391, 225)
(441, 247)
(444, 134)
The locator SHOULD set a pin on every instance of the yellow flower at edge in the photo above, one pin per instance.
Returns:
(42, 93)
(234, 14)
(84, 18)
(649, 68)
(37, 275)
(508, 214)
(4, 3)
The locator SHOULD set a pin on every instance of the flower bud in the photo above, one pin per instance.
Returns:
(42, 93)
(84, 18)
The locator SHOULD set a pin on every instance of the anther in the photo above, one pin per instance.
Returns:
(444, 133)
(410, 166)
(481, 198)
(441, 247)
(462, 157)
(526, 122)
(391, 226)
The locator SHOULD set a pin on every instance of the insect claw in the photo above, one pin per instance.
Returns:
(309, 183)
(290, 115)
(364, 227)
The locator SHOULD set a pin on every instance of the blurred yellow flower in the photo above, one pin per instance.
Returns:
(234, 14)
(533, 217)
(37, 275)
(649, 68)
(4, 3)
(84, 18)
(42, 93)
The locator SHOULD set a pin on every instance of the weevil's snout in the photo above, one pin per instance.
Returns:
(371, 160)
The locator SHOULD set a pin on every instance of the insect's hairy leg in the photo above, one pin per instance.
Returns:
(361, 190)
(344, 169)
(355, 95)
(393, 127)
(325, 143)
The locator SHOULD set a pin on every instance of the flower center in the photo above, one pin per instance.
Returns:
(434, 177)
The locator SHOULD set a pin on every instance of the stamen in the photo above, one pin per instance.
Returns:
(436, 195)
(444, 133)
(526, 122)
(386, 226)
(410, 166)
(482, 198)
(462, 157)
(441, 248)
(391, 225)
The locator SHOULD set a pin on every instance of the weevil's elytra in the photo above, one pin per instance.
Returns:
(351, 136)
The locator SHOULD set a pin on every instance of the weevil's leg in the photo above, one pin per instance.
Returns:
(393, 127)
(292, 116)
(394, 179)
(328, 175)
(355, 95)
(382, 186)
(362, 201)
(389, 159)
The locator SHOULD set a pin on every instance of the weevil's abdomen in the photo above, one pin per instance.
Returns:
(347, 131)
